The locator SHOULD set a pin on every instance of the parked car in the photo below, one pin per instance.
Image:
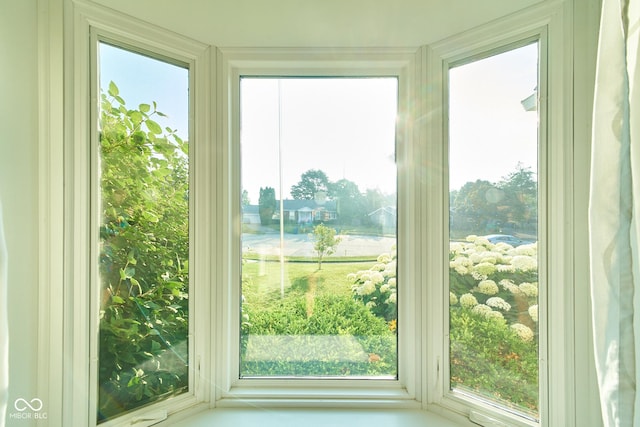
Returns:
(506, 238)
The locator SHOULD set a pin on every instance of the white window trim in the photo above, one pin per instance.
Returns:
(232, 391)
(64, 377)
(80, 331)
(547, 24)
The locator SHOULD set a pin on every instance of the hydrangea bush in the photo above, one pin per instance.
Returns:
(496, 281)
(493, 321)
(376, 287)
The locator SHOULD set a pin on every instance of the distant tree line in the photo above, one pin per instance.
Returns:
(353, 206)
(510, 205)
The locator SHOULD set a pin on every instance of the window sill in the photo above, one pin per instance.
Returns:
(315, 418)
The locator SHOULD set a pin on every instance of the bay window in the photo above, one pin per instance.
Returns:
(376, 228)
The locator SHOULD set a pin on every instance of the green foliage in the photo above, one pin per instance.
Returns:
(267, 205)
(350, 203)
(325, 242)
(485, 207)
(493, 321)
(144, 257)
(308, 342)
(490, 359)
(311, 183)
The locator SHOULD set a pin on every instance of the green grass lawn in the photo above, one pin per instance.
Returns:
(261, 280)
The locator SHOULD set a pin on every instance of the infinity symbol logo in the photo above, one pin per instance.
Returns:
(21, 404)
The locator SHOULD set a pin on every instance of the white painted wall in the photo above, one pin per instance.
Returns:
(19, 192)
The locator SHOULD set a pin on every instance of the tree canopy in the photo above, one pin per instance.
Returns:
(311, 183)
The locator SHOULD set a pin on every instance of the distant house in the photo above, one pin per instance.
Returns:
(250, 214)
(385, 217)
(295, 211)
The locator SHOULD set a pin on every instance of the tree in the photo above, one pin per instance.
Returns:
(267, 205)
(475, 206)
(521, 196)
(311, 183)
(325, 242)
(349, 201)
(245, 198)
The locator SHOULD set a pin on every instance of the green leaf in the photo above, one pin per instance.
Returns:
(117, 299)
(153, 127)
(135, 116)
(113, 89)
(145, 108)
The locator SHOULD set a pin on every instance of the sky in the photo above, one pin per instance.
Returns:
(342, 126)
(346, 126)
(490, 131)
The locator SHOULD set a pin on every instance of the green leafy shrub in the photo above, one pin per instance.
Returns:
(143, 259)
(489, 358)
(370, 349)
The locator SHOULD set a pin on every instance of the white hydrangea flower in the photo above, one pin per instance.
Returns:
(481, 309)
(499, 303)
(482, 241)
(528, 250)
(371, 304)
(529, 289)
(392, 298)
(377, 277)
(524, 262)
(392, 283)
(510, 286)
(488, 287)
(496, 315)
(456, 247)
(490, 257)
(364, 275)
(475, 257)
(367, 288)
(384, 288)
(453, 299)
(485, 268)
(524, 332)
(504, 268)
(351, 277)
(468, 301)
(461, 270)
(471, 238)
(379, 267)
(384, 258)
(533, 312)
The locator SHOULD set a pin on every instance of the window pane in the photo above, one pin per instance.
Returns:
(144, 231)
(493, 272)
(319, 289)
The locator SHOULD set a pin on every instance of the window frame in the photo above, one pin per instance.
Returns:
(231, 389)
(213, 125)
(556, 255)
(93, 25)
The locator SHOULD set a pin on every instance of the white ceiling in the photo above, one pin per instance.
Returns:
(318, 23)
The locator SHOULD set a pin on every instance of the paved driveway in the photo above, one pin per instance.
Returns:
(302, 245)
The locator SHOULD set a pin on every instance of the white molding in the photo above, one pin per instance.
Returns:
(550, 23)
(318, 63)
(86, 24)
(50, 205)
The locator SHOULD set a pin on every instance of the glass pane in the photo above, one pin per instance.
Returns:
(319, 289)
(493, 274)
(144, 231)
